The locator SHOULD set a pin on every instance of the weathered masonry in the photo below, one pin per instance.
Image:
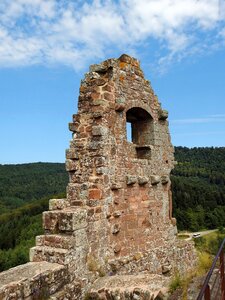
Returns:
(114, 233)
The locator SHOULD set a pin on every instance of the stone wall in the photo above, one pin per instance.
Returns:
(117, 217)
(124, 186)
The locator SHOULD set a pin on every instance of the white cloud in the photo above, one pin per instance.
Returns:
(75, 32)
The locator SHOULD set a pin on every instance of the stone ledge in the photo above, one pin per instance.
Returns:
(66, 220)
(32, 280)
(50, 254)
(142, 286)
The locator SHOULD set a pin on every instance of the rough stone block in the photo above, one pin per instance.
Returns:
(116, 186)
(99, 68)
(50, 220)
(73, 127)
(163, 114)
(120, 104)
(166, 268)
(50, 254)
(100, 161)
(131, 179)
(73, 220)
(94, 145)
(55, 204)
(117, 214)
(155, 179)
(125, 58)
(174, 221)
(165, 179)
(66, 220)
(32, 281)
(117, 248)
(115, 228)
(56, 241)
(71, 165)
(98, 114)
(102, 170)
(99, 130)
(95, 194)
(143, 180)
(71, 154)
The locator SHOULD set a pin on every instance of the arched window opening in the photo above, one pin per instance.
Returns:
(140, 130)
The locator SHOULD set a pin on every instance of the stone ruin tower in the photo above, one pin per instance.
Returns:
(115, 229)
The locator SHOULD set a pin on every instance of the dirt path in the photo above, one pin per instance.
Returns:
(201, 233)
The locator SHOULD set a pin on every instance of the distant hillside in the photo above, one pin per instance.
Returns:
(25, 191)
(20, 184)
(198, 183)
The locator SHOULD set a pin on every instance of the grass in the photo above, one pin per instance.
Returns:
(209, 243)
(175, 283)
(183, 282)
(94, 266)
(207, 246)
(204, 263)
(183, 236)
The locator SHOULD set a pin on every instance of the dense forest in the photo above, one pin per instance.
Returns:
(25, 191)
(20, 184)
(198, 183)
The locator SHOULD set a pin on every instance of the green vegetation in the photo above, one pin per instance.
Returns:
(198, 184)
(210, 243)
(207, 247)
(176, 282)
(20, 184)
(18, 230)
(19, 254)
(183, 236)
(25, 191)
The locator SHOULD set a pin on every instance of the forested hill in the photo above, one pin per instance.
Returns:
(198, 183)
(25, 191)
(20, 184)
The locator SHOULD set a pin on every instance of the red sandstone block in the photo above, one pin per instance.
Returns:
(50, 220)
(108, 88)
(88, 128)
(77, 203)
(132, 225)
(108, 96)
(98, 210)
(95, 194)
(56, 241)
(82, 129)
(96, 96)
(90, 212)
(128, 217)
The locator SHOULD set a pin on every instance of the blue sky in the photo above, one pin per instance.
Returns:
(46, 47)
